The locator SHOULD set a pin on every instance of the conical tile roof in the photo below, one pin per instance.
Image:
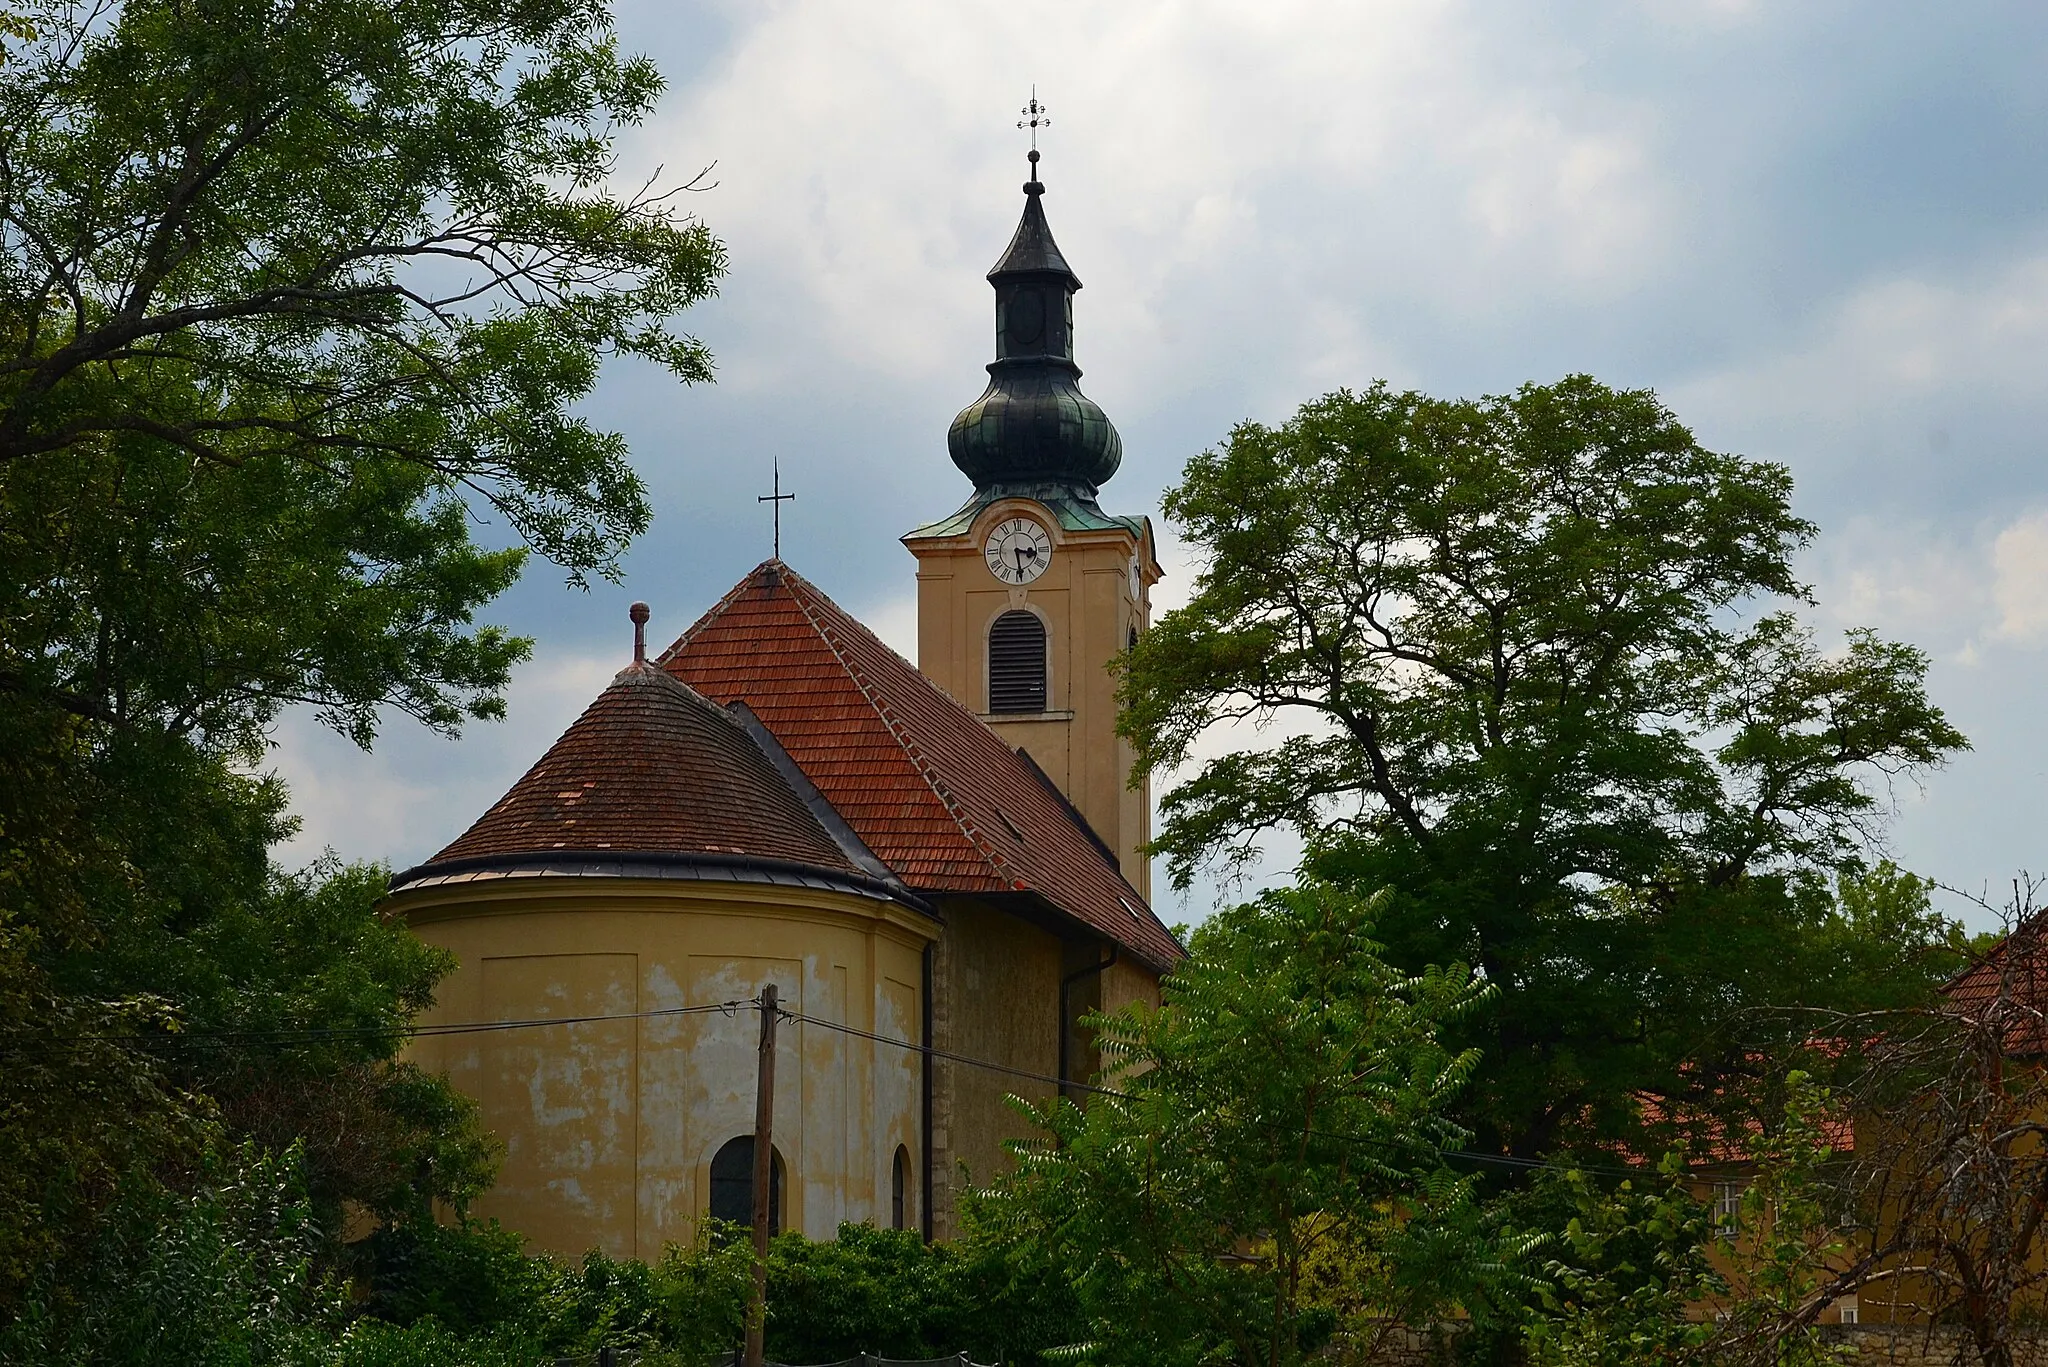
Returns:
(653, 767)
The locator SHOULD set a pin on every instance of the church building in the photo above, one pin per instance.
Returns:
(939, 867)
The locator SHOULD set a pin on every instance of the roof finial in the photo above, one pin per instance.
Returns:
(638, 612)
(1034, 119)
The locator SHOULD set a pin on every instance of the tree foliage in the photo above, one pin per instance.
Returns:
(1267, 1180)
(343, 232)
(1651, 1271)
(1515, 646)
(291, 298)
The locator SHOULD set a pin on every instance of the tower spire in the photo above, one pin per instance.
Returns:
(1032, 430)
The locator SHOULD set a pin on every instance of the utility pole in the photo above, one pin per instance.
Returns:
(764, 1178)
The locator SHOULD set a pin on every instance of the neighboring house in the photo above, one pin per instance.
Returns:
(948, 860)
(1944, 1152)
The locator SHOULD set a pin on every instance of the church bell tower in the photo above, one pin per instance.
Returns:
(1029, 591)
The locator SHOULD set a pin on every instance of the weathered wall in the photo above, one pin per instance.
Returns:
(996, 983)
(610, 1126)
(1128, 982)
(1090, 605)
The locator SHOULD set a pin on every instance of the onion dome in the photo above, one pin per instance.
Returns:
(1033, 426)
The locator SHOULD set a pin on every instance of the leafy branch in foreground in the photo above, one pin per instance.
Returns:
(1649, 1271)
(337, 232)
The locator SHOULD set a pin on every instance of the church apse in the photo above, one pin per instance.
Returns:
(652, 862)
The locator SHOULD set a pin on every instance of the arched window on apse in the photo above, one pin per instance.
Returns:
(899, 1190)
(1016, 663)
(732, 1184)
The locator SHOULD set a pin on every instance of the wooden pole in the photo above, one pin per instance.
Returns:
(764, 1178)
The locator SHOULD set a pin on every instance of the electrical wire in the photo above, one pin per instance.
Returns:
(1465, 1155)
(930, 1051)
(227, 1038)
(315, 1035)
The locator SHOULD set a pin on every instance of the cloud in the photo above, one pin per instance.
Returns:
(1223, 165)
(1898, 338)
(2020, 559)
(1914, 391)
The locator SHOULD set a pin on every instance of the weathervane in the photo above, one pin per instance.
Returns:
(1034, 119)
(775, 501)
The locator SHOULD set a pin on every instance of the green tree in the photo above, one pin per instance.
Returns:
(888, 1293)
(291, 298)
(1517, 641)
(341, 231)
(1634, 1261)
(1282, 1117)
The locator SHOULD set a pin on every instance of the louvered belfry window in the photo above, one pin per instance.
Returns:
(1016, 663)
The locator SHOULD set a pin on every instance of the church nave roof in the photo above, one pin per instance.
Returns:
(924, 783)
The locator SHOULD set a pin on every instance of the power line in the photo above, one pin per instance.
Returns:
(1466, 1155)
(224, 1038)
(930, 1051)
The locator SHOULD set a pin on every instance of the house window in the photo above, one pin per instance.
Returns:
(1849, 1310)
(732, 1184)
(1016, 663)
(899, 1190)
(1727, 1206)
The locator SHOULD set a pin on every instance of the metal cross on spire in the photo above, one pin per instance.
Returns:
(775, 501)
(1034, 119)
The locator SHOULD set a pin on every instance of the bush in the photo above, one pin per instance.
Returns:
(219, 1275)
(889, 1293)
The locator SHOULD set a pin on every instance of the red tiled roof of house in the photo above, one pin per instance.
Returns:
(1711, 1138)
(2010, 983)
(931, 790)
(653, 767)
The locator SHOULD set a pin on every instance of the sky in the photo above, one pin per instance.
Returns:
(1818, 230)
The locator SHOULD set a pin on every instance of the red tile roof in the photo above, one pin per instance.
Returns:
(2009, 986)
(930, 789)
(653, 767)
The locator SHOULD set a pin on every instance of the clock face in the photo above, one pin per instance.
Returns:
(1017, 551)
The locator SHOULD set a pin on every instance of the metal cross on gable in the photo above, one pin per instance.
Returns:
(775, 501)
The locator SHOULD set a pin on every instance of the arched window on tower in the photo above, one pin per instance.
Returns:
(732, 1184)
(899, 1190)
(1016, 663)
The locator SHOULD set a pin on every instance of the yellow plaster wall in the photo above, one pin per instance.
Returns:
(1126, 982)
(610, 1126)
(1085, 599)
